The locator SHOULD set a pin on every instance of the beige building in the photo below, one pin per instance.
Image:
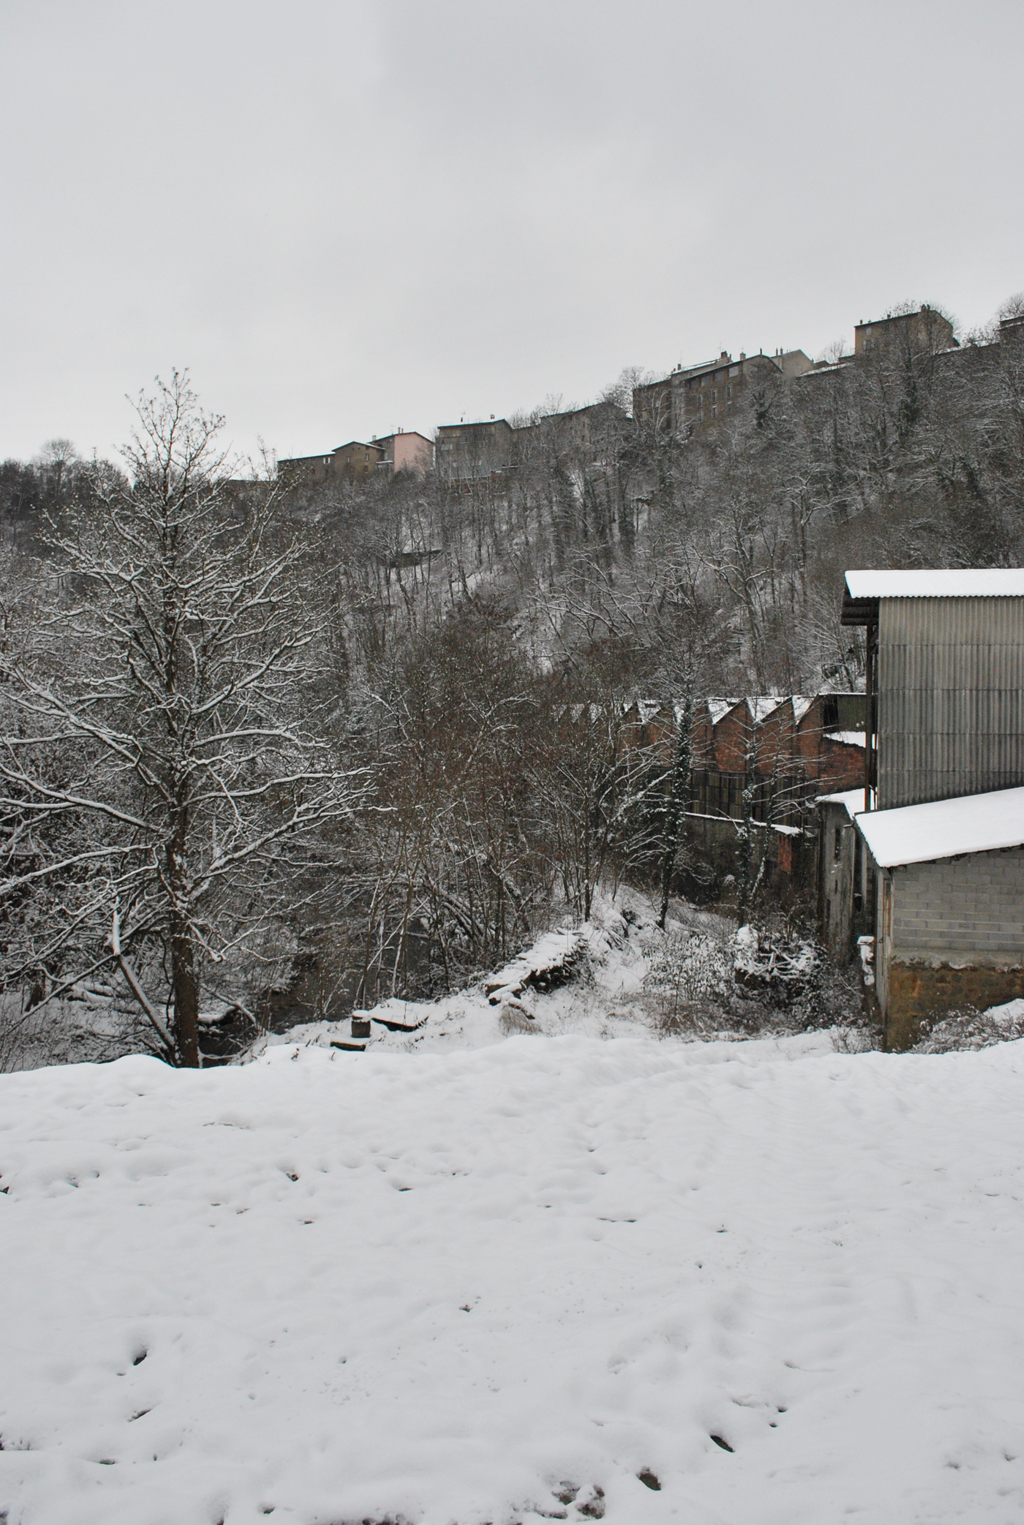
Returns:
(405, 450)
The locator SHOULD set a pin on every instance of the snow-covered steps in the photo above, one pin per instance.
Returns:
(551, 961)
(397, 1016)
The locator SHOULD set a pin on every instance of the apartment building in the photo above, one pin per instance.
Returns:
(405, 450)
(925, 332)
(590, 435)
(706, 396)
(474, 452)
(346, 462)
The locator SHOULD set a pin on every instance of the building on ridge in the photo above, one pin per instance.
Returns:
(344, 463)
(924, 332)
(474, 452)
(706, 396)
(591, 435)
(405, 450)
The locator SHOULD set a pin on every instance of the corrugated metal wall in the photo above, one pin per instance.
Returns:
(950, 697)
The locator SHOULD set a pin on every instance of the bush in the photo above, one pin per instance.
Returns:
(766, 979)
(689, 982)
(969, 1028)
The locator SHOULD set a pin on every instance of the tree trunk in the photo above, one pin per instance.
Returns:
(745, 873)
(184, 986)
(186, 997)
(678, 801)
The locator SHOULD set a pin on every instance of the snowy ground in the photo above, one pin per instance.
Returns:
(500, 1283)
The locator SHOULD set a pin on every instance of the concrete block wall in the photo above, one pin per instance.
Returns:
(960, 910)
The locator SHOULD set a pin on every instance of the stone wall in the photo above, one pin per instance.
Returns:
(917, 991)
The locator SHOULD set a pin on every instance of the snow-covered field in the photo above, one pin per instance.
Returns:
(506, 1283)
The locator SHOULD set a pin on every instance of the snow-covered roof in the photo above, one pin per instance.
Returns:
(719, 708)
(820, 368)
(852, 800)
(947, 582)
(801, 704)
(847, 738)
(974, 823)
(763, 705)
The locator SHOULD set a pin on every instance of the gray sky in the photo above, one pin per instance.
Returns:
(352, 215)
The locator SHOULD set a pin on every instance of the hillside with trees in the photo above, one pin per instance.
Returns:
(269, 748)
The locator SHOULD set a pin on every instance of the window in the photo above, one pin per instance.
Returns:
(728, 391)
(714, 396)
(734, 370)
(714, 412)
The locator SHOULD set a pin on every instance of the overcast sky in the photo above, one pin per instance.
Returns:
(347, 216)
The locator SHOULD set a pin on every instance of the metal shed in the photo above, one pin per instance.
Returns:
(944, 770)
(945, 680)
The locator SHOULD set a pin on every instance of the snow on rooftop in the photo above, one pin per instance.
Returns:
(974, 823)
(801, 704)
(719, 708)
(763, 705)
(847, 738)
(852, 800)
(947, 582)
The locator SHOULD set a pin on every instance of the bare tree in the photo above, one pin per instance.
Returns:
(167, 770)
(451, 863)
